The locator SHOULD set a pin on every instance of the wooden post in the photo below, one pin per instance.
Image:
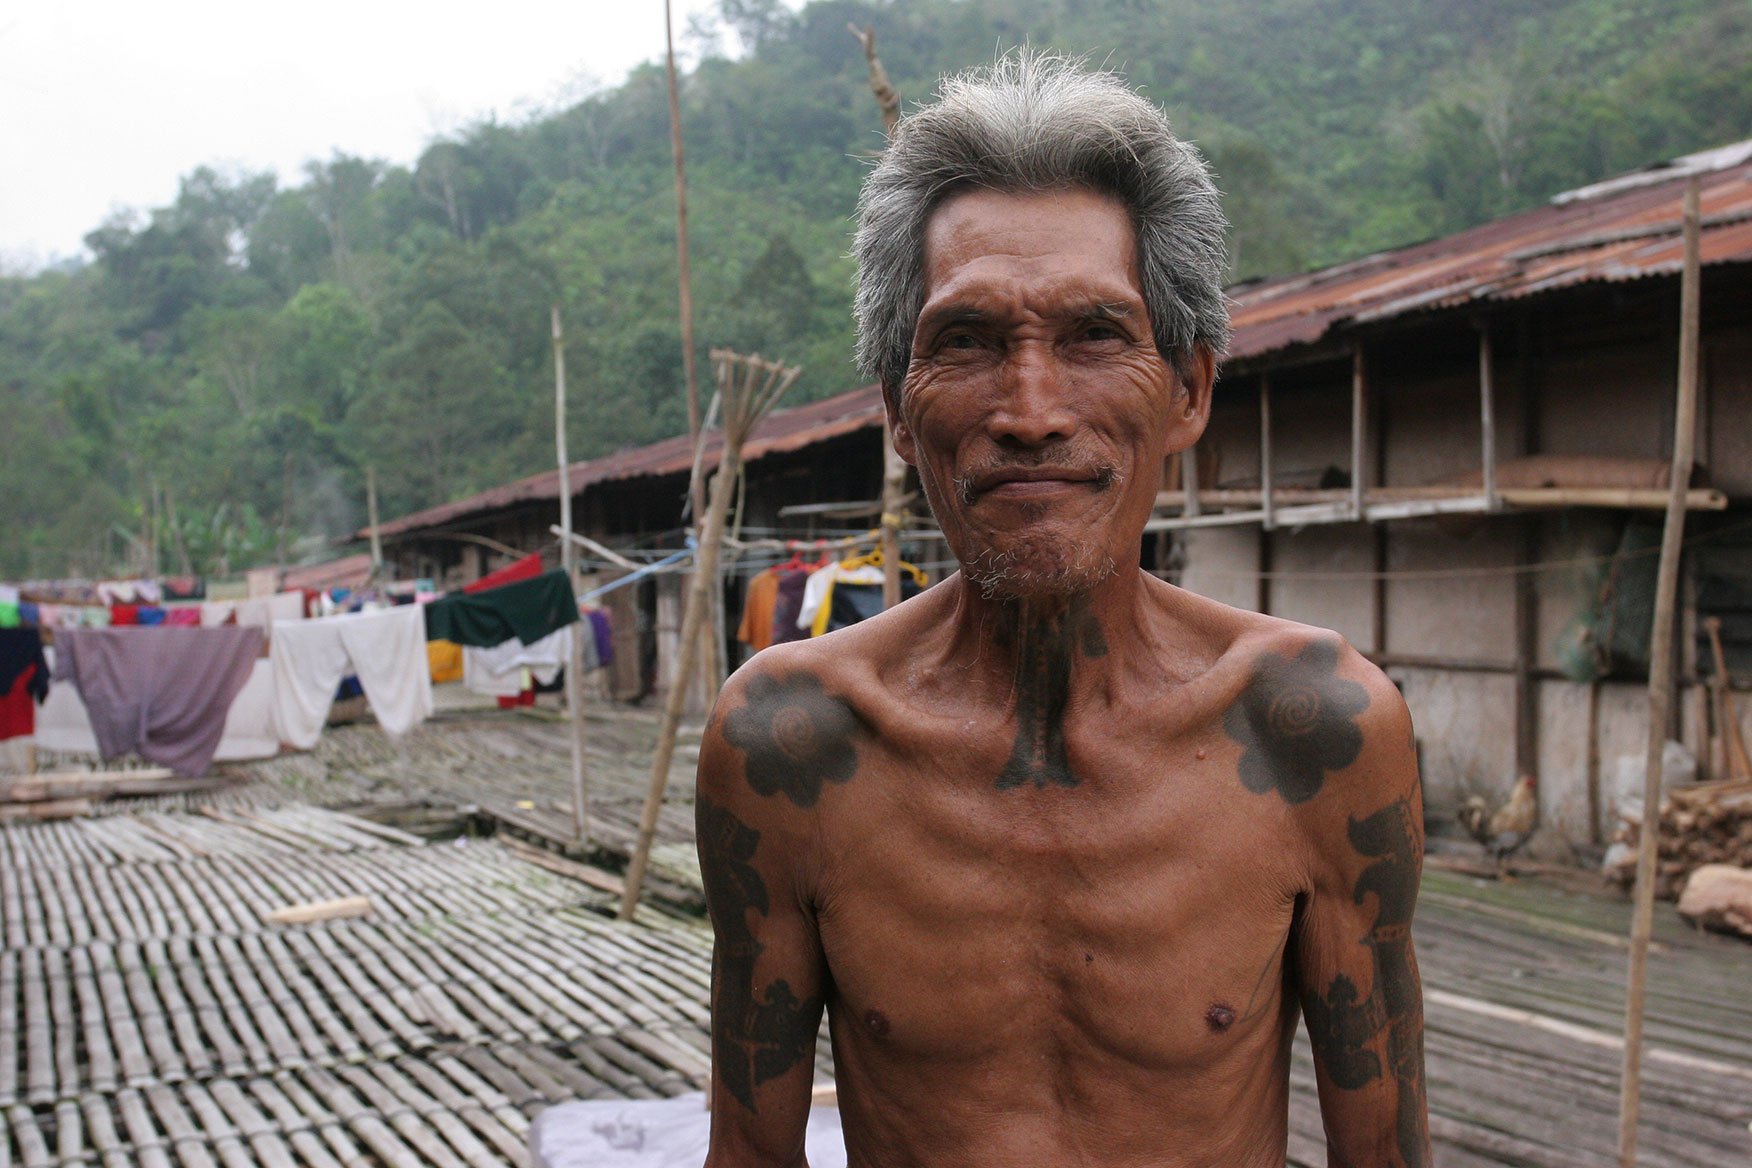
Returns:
(1359, 421)
(569, 560)
(371, 515)
(1266, 502)
(1487, 418)
(685, 273)
(1596, 829)
(1660, 683)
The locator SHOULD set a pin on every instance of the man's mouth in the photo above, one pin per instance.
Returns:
(1022, 482)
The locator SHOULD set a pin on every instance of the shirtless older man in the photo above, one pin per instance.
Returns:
(1062, 850)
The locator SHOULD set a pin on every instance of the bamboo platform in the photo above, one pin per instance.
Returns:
(150, 1016)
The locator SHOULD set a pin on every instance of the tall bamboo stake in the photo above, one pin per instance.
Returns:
(697, 499)
(747, 388)
(371, 516)
(893, 469)
(568, 559)
(1660, 683)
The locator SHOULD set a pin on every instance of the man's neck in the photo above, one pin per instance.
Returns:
(1046, 652)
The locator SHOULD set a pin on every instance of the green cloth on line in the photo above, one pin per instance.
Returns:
(527, 611)
(8, 615)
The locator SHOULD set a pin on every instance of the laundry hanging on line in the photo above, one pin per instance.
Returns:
(526, 568)
(160, 692)
(385, 649)
(527, 610)
(24, 681)
(850, 591)
(504, 670)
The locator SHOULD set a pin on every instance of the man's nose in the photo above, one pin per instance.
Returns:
(1033, 407)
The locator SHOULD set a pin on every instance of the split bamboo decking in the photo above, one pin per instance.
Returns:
(150, 1016)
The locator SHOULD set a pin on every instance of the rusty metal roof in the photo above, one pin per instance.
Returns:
(1623, 229)
(778, 433)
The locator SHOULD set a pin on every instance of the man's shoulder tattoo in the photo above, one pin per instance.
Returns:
(795, 735)
(1296, 721)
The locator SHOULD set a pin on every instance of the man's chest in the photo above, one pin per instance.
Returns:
(1127, 917)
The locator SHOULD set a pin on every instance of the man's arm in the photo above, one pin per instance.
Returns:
(1355, 970)
(1355, 967)
(756, 835)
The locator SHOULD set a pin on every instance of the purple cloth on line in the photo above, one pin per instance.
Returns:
(602, 632)
(162, 692)
(788, 605)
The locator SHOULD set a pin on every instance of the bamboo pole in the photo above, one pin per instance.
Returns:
(1266, 493)
(371, 516)
(747, 389)
(684, 270)
(569, 560)
(1359, 423)
(893, 469)
(1660, 683)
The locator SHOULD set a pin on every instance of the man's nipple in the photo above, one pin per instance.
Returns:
(1220, 1017)
(877, 1021)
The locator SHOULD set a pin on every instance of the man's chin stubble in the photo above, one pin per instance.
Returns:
(1035, 575)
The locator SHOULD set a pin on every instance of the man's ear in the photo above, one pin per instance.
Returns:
(897, 427)
(1192, 399)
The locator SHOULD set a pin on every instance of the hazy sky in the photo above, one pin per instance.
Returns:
(105, 104)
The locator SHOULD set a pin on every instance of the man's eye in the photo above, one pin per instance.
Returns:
(960, 341)
(1102, 332)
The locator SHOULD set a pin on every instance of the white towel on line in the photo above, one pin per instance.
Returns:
(498, 671)
(386, 650)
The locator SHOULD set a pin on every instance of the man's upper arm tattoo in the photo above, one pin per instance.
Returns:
(756, 1036)
(795, 735)
(1342, 1026)
(1296, 721)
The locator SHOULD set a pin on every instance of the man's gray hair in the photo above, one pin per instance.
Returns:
(1029, 123)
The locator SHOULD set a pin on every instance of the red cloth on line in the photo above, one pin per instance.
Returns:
(526, 698)
(17, 710)
(124, 614)
(529, 566)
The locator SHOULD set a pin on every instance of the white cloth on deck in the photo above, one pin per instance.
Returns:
(499, 671)
(654, 1133)
(386, 650)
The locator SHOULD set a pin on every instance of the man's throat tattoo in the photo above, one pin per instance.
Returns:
(1046, 649)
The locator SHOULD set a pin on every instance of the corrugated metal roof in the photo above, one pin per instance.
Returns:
(779, 432)
(1623, 229)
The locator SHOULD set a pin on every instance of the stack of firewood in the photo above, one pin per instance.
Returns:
(1701, 823)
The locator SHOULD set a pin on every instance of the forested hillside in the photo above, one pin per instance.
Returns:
(227, 366)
